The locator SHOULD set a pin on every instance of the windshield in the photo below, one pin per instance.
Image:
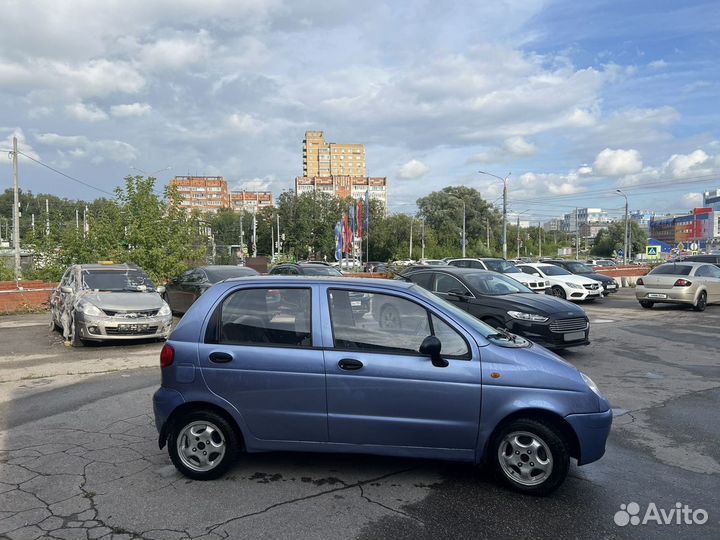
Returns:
(218, 274)
(320, 270)
(498, 265)
(495, 284)
(551, 270)
(497, 337)
(116, 280)
(579, 268)
(672, 269)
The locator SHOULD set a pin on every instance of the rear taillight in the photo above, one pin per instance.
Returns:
(682, 283)
(639, 282)
(167, 356)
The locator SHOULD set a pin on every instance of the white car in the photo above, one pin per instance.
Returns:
(504, 267)
(563, 284)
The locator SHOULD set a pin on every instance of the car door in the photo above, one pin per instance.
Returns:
(443, 284)
(174, 293)
(710, 275)
(261, 355)
(57, 297)
(381, 391)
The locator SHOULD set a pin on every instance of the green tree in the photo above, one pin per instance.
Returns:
(612, 239)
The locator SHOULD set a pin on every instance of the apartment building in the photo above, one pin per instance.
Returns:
(584, 215)
(344, 186)
(210, 194)
(323, 159)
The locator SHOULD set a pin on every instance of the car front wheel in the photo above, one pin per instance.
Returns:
(202, 445)
(530, 456)
(558, 292)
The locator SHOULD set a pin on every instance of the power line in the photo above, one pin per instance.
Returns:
(66, 175)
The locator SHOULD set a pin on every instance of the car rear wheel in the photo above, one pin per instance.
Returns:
(701, 302)
(558, 292)
(647, 304)
(530, 456)
(202, 445)
(389, 317)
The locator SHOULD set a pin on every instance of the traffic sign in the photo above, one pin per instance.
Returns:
(620, 252)
(693, 246)
(652, 251)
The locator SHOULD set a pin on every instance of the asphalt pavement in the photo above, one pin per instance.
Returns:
(79, 455)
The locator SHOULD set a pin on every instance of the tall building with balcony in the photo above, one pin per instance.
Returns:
(322, 159)
(344, 187)
(210, 194)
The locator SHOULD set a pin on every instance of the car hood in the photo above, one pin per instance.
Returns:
(597, 277)
(124, 301)
(540, 303)
(574, 278)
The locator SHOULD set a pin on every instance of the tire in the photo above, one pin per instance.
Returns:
(209, 458)
(701, 302)
(539, 447)
(75, 339)
(647, 304)
(389, 317)
(558, 292)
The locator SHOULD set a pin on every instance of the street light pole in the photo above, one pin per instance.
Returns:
(625, 253)
(505, 203)
(16, 212)
(463, 240)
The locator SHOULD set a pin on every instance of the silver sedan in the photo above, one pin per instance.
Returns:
(696, 284)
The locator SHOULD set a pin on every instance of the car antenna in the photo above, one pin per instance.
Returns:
(399, 276)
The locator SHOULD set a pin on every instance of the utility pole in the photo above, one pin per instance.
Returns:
(272, 241)
(16, 212)
(518, 236)
(422, 253)
(411, 228)
(47, 218)
(505, 202)
(85, 223)
(464, 239)
(242, 233)
(487, 231)
(539, 239)
(254, 233)
(625, 253)
(77, 219)
(577, 236)
(277, 219)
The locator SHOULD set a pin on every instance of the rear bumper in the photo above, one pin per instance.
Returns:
(592, 431)
(671, 296)
(165, 401)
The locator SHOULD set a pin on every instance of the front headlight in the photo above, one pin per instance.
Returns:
(90, 309)
(591, 385)
(165, 310)
(573, 285)
(527, 316)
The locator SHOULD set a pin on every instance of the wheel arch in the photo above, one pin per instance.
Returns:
(193, 406)
(544, 415)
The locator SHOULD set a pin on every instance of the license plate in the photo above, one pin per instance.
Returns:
(355, 303)
(656, 295)
(134, 328)
(611, 286)
(574, 336)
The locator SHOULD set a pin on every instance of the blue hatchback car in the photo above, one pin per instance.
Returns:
(285, 363)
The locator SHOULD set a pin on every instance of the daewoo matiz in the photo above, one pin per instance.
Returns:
(284, 363)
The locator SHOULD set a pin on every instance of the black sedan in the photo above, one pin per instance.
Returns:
(503, 302)
(182, 291)
(582, 269)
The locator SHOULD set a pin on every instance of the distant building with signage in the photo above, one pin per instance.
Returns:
(711, 199)
(698, 226)
(210, 194)
(344, 186)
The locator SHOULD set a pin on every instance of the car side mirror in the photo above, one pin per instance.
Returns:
(431, 347)
(160, 289)
(536, 274)
(65, 289)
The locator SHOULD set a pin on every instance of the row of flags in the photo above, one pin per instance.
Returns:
(355, 223)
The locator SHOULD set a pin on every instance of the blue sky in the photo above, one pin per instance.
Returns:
(575, 99)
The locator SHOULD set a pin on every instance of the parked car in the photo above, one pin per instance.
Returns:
(432, 262)
(563, 284)
(504, 267)
(107, 302)
(602, 262)
(182, 291)
(693, 283)
(376, 266)
(503, 302)
(304, 374)
(712, 259)
(347, 264)
(582, 269)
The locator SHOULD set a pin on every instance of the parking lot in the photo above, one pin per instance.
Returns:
(79, 455)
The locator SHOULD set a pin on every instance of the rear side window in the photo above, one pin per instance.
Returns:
(394, 326)
(424, 279)
(267, 317)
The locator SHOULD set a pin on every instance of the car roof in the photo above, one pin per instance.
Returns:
(448, 270)
(686, 263)
(336, 280)
(97, 266)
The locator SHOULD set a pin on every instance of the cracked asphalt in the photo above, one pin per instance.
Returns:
(79, 455)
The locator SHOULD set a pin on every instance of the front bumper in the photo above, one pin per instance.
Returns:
(542, 334)
(592, 431)
(122, 328)
(676, 295)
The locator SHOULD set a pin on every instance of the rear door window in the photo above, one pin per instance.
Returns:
(267, 317)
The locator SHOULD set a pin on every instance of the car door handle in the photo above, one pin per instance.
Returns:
(350, 364)
(220, 357)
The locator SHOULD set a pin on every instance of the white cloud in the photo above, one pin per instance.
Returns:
(254, 184)
(6, 143)
(86, 113)
(617, 162)
(413, 169)
(517, 146)
(174, 53)
(681, 165)
(95, 150)
(130, 109)
(245, 123)
(658, 64)
(693, 200)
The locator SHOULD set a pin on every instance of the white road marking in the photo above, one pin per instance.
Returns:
(20, 324)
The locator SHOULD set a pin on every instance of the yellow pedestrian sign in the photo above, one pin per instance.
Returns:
(652, 252)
